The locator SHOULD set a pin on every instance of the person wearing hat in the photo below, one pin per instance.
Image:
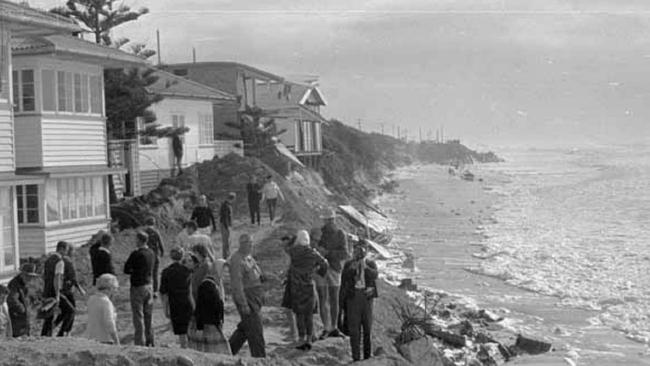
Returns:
(59, 278)
(225, 221)
(101, 312)
(358, 290)
(333, 245)
(139, 266)
(175, 284)
(18, 300)
(270, 193)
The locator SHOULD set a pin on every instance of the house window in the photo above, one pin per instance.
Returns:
(7, 240)
(77, 94)
(62, 91)
(318, 143)
(206, 128)
(23, 93)
(151, 141)
(75, 198)
(48, 83)
(96, 96)
(27, 204)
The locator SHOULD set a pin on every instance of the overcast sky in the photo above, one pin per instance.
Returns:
(489, 71)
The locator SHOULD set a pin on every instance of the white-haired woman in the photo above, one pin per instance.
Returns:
(101, 312)
(305, 260)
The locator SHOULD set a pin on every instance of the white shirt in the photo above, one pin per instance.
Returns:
(271, 191)
(101, 318)
(4, 320)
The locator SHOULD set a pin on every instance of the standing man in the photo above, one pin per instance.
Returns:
(333, 246)
(359, 289)
(140, 266)
(225, 221)
(18, 300)
(177, 147)
(101, 258)
(156, 245)
(254, 197)
(68, 306)
(246, 281)
(270, 194)
(58, 284)
(203, 217)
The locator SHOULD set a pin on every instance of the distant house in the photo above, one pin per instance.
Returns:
(190, 104)
(294, 106)
(17, 21)
(60, 138)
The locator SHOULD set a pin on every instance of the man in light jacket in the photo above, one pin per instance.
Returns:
(270, 193)
(246, 280)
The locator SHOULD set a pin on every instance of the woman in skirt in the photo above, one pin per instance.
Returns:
(177, 300)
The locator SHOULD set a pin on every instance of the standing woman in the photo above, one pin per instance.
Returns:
(101, 312)
(209, 312)
(175, 284)
(305, 260)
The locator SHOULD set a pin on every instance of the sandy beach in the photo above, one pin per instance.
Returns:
(440, 219)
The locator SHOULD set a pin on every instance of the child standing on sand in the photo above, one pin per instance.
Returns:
(5, 319)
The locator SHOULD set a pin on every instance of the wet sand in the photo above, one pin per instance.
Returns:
(439, 219)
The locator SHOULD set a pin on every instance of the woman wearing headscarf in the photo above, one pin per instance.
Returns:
(209, 312)
(178, 303)
(304, 262)
(101, 312)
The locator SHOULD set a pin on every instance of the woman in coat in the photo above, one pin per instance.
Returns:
(209, 312)
(175, 283)
(304, 262)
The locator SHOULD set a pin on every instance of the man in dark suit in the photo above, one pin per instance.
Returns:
(358, 290)
(100, 257)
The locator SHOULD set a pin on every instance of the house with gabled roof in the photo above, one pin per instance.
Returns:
(185, 103)
(294, 106)
(60, 138)
(16, 21)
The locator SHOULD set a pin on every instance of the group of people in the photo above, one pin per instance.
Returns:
(269, 192)
(323, 277)
(345, 286)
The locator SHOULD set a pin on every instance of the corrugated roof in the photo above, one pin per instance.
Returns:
(69, 45)
(16, 13)
(169, 84)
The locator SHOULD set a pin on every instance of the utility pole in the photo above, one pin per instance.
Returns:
(193, 55)
(158, 45)
(382, 128)
(359, 124)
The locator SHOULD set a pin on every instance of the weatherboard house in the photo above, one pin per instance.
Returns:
(295, 106)
(54, 133)
(185, 103)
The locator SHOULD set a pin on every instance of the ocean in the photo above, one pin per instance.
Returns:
(566, 246)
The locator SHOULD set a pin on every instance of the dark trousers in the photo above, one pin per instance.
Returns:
(65, 318)
(155, 274)
(272, 203)
(225, 241)
(254, 208)
(249, 329)
(305, 323)
(142, 309)
(359, 316)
